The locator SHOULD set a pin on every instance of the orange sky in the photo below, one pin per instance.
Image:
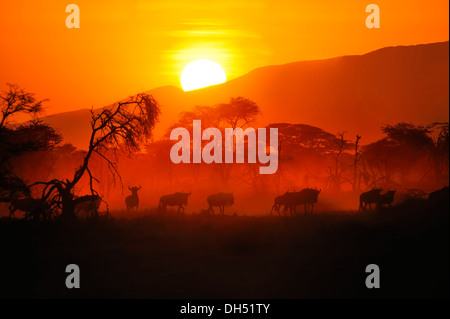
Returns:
(127, 46)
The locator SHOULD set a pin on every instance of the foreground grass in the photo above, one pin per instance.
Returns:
(320, 256)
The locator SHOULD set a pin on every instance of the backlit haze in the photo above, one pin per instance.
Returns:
(126, 47)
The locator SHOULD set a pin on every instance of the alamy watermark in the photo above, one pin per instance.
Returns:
(373, 280)
(373, 19)
(73, 19)
(73, 280)
(212, 152)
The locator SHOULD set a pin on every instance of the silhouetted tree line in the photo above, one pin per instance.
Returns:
(34, 163)
(122, 128)
(409, 155)
(16, 141)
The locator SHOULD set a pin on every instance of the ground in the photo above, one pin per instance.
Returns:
(195, 256)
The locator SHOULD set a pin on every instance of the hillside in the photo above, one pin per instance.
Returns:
(357, 94)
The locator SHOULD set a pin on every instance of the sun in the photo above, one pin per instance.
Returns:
(202, 73)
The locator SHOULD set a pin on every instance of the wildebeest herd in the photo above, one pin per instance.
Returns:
(180, 200)
(35, 208)
(283, 204)
(87, 206)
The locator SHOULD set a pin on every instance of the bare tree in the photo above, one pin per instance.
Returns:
(123, 127)
(356, 182)
(336, 177)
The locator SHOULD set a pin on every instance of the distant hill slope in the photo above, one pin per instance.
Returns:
(357, 94)
(74, 126)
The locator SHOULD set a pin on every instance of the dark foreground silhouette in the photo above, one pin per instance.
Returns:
(200, 256)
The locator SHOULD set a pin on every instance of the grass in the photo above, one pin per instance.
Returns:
(197, 256)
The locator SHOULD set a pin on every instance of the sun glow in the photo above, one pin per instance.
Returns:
(202, 73)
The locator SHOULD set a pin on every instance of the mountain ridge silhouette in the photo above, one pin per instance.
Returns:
(354, 93)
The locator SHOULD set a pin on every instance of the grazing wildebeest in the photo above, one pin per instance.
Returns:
(307, 197)
(220, 200)
(386, 198)
(32, 207)
(88, 204)
(132, 200)
(28, 205)
(278, 202)
(370, 197)
(311, 196)
(176, 199)
(290, 201)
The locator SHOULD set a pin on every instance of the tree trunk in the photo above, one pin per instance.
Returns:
(68, 207)
(355, 166)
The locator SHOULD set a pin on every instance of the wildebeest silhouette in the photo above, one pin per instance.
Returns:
(87, 206)
(370, 197)
(220, 200)
(177, 199)
(28, 205)
(133, 200)
(386, 198)
(310, 196)
(278, 202)
(307, 197)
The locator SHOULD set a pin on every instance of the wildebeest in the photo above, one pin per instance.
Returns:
(87, 205)
(34, 208)
(311, 195)
(386, 198)
(278, 202)
(177, 199)
(220, 200)
(28, 205)
(307, 197)
(370, 197)
(132, 200)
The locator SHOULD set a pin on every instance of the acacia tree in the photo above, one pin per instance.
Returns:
(124, 127)
(441, 152)
(16, 101)
(302, 149)
(399, 158)
(239, 112)
(17, 141)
